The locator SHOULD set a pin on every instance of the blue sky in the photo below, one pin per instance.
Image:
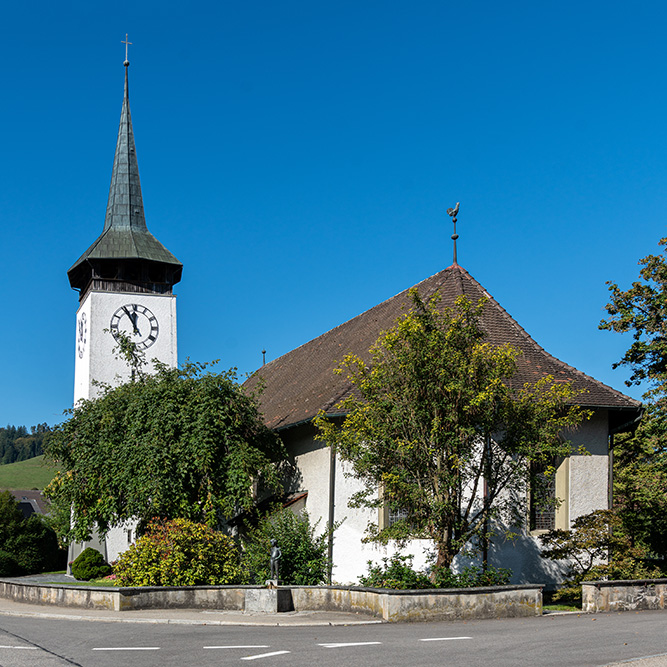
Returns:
(298, 158)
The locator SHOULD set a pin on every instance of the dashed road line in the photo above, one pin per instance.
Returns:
(25, 648)
(239, 646)
(264, 655)
(126, 648)
(341, 645)
(442, 639)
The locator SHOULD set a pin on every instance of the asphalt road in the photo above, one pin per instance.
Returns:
(570, 640)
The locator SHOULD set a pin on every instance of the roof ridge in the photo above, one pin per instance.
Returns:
(352, 319)
(527, 336)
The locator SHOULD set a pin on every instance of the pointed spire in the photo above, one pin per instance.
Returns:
(125, 206)
(125, 237)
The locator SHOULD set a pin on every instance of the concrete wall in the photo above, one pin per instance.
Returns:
(624, 595)
(433, 605)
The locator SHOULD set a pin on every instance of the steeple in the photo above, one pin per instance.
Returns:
(126, 256)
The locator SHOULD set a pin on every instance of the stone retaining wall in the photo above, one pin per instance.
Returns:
(390, 605)
(623, 595)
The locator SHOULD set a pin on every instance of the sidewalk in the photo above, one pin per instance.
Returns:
(177, 616)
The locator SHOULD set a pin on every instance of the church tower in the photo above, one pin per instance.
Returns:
(125, 281)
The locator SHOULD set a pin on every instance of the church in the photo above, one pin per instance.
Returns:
(125, 282)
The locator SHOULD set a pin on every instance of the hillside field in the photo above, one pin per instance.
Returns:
(30, 474)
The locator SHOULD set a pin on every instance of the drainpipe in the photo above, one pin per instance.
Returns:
(332, 507)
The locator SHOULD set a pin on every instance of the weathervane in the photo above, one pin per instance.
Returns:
(453, 212)
(127, 62)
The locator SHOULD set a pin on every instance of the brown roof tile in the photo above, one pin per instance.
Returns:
(302, 382)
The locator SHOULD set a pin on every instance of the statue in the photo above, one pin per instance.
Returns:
(276, 553)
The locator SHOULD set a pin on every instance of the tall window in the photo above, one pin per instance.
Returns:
(543, 497)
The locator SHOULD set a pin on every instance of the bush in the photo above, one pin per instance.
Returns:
(304, 560)
(398, 573)
(473, 576)
(8, 565)
(27, 545)
(586, 548)
(90, 564)
(395, 572)
(179, 553)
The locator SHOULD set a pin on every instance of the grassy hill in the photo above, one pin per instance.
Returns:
(30, 474)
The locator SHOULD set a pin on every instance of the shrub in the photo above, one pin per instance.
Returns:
(27, 545)
(472, 576)
(304, 560)
(395, 572)
(90, 564)
(179, 552)
(8, 565)
(586, 549)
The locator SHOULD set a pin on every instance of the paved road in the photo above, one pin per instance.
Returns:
(562, 641)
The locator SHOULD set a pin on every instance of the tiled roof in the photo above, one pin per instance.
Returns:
(302, 382)
(125, 235)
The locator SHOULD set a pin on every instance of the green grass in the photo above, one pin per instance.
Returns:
(92, 582)
(30, 474)
(560, 607)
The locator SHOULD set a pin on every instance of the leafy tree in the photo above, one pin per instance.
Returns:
(304, 559)
(433, 418)
(640, 458)
(185, 443)
(640, 485)
(642, 311)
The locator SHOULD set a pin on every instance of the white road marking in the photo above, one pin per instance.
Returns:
(241, 646)
(264, 655)
(341, 645)
(442, 639)
(127, 648)
(25, 648)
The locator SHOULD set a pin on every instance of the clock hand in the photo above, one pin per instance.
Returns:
(133, 318)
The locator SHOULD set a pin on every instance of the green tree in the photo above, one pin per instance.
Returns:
(181, 443)
(640, 458)
(640, 485)
(642, 311)
(433, 420)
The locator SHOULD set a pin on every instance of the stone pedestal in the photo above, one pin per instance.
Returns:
(268, 600)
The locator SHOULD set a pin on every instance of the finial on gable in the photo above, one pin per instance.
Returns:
(127, 62)
(453, 212)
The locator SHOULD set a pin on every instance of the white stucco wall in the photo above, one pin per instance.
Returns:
(588, 484)
(97, 361)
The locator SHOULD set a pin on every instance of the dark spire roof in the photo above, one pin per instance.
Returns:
(302, 382)
(125, 235)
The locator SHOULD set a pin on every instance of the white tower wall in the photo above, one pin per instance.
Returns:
(96, 360)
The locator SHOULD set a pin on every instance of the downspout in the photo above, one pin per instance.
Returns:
(332, 509)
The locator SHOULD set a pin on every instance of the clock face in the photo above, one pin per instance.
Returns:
(81, 334)
(137, 323)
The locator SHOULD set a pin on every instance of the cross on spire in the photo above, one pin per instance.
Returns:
(127, 62)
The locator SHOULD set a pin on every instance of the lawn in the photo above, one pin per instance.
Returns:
(30, 474)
